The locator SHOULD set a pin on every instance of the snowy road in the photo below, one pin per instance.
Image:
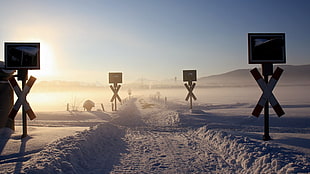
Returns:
(162, 148)
(147, 136)
(169, 152)
(157, 146)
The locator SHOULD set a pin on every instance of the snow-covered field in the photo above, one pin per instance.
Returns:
(147, 135)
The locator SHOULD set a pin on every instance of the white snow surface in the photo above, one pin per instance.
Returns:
(150, 136)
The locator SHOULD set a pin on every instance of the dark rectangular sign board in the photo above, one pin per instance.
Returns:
(20, 55)
(189, 75)
(115, 77)
(266, 48)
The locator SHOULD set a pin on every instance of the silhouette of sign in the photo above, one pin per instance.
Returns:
(190, 89)
(267, 92)
(22, 98)
(189, 76)
(115, 77)
(266, 48)
(115, 93)
(22, 55)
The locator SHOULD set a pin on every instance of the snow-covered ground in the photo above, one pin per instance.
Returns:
(148, 135)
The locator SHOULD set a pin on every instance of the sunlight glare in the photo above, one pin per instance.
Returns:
(46, 62)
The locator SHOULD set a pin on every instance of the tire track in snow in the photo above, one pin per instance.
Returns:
(216, 161)
(167, 149)
(152, 152)
(161, 152)
(157, 147)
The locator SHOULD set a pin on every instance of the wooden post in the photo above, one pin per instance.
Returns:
(102, 107)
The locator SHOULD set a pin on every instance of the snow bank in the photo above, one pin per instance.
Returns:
(155, 113)
(91, 151)
(254, 157)
(114, 144)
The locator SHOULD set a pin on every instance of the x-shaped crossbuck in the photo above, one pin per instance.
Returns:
(267, 92)
(115, 90)
(190, 89)
(22, 98)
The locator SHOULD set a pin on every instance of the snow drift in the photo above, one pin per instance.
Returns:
(91, 151)
(102, 148)
(254, 157)
(97, 150)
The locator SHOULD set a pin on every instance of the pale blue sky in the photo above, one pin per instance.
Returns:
(83, 40)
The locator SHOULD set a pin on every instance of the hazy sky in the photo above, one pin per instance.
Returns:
(83, 40)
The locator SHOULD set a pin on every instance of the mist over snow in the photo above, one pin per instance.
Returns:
(154, 131)
(150, 135)
(293, 75)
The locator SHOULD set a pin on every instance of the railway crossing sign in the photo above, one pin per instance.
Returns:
(266, 49)
(22, 56)
(267, 92)
(190, 88)
(115, 78)
(115, 90)
(22, 98)
(189, 76)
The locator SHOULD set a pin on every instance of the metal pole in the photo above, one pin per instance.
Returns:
(115, 105)
(266, 136)
(24, 116)
(190, 97)
(115, 87)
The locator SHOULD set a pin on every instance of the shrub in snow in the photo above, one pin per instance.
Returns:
(88, 105)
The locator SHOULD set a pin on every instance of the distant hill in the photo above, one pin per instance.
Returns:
(292, 75)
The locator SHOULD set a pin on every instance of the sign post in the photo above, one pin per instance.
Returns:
(266, 49)
(115, 78)
(189, 76)
(22, 57)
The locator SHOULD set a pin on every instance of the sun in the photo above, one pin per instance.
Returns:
(47, 62)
